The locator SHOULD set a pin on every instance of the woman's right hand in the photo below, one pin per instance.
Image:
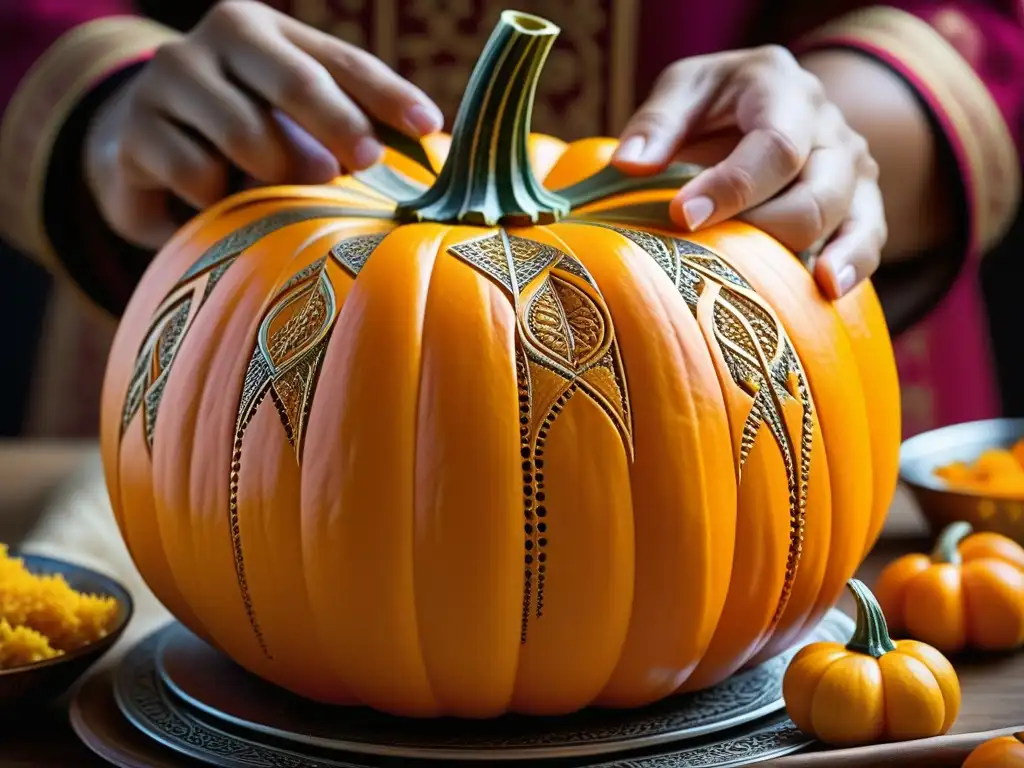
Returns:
(248, 87)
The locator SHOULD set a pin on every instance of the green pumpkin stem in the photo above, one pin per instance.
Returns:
(487, 179)
(871, 636)
(947, 547)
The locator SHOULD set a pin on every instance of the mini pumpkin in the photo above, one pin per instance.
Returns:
(873, 689)
(1002, 752)
(968, 593)
(442, 439)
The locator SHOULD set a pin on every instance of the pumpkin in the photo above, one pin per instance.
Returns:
(1001, 752)
(476, 431)
(873, 689)
(968, 593)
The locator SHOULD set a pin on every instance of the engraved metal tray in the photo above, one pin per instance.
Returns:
(187, 696)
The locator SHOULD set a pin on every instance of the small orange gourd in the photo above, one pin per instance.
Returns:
(873, 689)
(1002, 752)
(968, 594)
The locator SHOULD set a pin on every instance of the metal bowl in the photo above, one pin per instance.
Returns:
(922, 454)
(39, 683)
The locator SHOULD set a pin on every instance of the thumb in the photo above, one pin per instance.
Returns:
(677, 101)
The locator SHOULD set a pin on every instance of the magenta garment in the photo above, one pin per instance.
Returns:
(29, 27)
(945, 363)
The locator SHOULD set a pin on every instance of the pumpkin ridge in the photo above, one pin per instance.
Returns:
(779, 270)
(796, 470)
(785, 378)
(285, 365)
(213, 263)
(686, 264)
(191, 293)
(526, 270)
(438, 508)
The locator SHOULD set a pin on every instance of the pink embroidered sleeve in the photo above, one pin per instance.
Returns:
(965, 61)
(965, 58)
(55, 53)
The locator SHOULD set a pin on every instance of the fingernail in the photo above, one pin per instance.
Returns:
(366, 152)
(423, 120)
(846, 278)
(631, 150)
(697, 211)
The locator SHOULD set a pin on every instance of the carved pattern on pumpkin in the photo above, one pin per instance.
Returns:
(761, 360)
(548, 324)
(513, 262)
(171, 322)
(565, 343)
(285, 364)
(243, 238)
(153, 364)
(353, 252)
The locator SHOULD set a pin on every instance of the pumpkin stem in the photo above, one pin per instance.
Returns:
(947, 546)
(487, 178)
(871, 636)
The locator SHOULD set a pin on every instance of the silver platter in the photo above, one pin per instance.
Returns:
(187, 696)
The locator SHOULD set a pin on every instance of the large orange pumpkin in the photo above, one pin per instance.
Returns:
(502, 446)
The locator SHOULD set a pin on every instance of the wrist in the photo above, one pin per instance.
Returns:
(881, 107)
(102, 265)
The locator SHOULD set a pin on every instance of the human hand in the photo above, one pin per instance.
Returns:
(796, 169)
(249, 87)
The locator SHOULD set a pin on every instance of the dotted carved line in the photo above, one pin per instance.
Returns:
(798, 516)
(236, 532)
(536, 546)
(526, 452)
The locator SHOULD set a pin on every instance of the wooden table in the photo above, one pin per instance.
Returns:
(993, 687)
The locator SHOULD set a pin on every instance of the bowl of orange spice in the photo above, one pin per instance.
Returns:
(56, 620)
(972, 471)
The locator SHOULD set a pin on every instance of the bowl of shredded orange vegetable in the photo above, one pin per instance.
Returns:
(56, 620)
(972, 471)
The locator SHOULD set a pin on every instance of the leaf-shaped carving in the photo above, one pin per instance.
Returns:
(760, 358)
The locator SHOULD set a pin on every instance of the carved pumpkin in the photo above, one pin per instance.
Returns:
(500, 446)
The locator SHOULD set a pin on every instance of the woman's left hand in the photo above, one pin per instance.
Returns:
(797, 170)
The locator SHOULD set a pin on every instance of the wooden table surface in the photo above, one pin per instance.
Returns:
(993, 687)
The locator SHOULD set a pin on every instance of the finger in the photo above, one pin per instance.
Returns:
(658, 127)
(189, 87)
(814, 207)
(709, 150)
(139, 216)
(309, 158)
(301, 87)
(160, 155)
(376, 87)
(855, 252)
(779, 133)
